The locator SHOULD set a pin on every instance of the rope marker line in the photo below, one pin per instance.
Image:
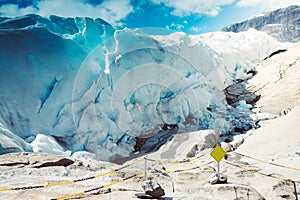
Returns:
(58, 184)
(70, 181)
(124, 179)
(5, 189)
(175, 162)
(275, 164)
(104, 174)
(97, 188)
(261, 173)
(187, 169)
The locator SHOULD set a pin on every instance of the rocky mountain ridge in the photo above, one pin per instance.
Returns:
(283, 24)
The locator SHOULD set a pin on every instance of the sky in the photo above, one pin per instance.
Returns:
(190, 16)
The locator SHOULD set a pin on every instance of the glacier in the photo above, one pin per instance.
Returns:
(79, 85)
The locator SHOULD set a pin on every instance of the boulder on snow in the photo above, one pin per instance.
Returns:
(217, 179)
(153, 189)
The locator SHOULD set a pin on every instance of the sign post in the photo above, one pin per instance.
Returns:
(145, 168)
(218, 170)
(218, 153)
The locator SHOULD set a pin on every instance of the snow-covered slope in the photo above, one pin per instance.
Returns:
(283, 24)
(277, 141)
(280, 76)
(95, 89)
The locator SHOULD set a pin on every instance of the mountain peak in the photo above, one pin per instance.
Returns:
(283, 24)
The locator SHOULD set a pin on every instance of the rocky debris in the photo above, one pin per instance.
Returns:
(152, 189)
(238, 92)
(236, 191)
(283, 24)
(241, 112)
(283, 190)
(198, 186)
(34, 160)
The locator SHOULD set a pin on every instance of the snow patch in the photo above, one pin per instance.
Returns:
(9, 142)
(47, 144)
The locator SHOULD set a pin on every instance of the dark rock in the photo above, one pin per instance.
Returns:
(227, 140)
(62, 162)
(14, 163)
(276, 52)
(253, 72)
(237, 92)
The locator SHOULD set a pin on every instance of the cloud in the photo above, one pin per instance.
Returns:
(197, 29)
(188, 7)
(12, 10)
(177, 27)
(111, 11)
(267, 4)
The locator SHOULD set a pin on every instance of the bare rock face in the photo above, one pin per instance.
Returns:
(283, 24)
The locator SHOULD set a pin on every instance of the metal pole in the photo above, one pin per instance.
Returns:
(218, 170)
(145, 168)
(295, 187)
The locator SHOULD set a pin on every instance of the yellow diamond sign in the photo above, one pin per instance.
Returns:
(218, 153)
